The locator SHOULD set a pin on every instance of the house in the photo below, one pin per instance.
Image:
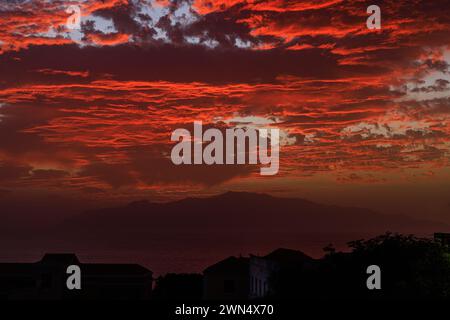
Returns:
(251, 278)
(227, 279)
(263, 270)
(46, 279)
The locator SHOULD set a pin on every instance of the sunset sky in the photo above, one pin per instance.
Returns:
(86, 115)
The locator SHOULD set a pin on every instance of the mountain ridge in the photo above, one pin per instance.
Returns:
(245, 212)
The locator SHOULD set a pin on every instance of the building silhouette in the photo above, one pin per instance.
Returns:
(46, 280)
(227, 279)
(264, 270)
(253, 277)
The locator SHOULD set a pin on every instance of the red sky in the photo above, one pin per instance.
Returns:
(88, 114)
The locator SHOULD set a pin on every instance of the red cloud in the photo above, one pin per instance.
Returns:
(99, 116)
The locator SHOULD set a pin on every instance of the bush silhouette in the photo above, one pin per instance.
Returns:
(411, 267)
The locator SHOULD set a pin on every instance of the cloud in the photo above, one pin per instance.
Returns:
(48, 174)
(11, 172)
(95, 111)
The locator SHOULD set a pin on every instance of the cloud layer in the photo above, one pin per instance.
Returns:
(92, 111)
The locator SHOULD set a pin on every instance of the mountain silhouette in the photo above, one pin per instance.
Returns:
(236, 213)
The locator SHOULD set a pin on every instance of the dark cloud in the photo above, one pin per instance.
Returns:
(11, 172)
(171, 63)
(439, 85)
(48, 174)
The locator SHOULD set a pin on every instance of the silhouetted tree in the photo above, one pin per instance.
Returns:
(411, 267)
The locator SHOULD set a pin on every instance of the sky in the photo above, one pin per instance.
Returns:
(86, 115)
